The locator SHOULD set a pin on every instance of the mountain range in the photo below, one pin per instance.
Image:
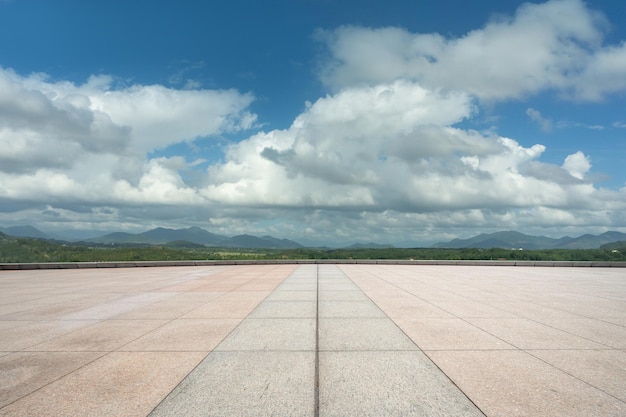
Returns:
(517, 240)
(163, 236)
(197, 236)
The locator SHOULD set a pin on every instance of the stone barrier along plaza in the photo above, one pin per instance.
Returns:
(143, 264)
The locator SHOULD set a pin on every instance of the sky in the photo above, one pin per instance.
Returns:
(328, 122)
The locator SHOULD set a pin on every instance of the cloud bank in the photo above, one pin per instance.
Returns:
(555, 46)
(89, 143)
(381, 157)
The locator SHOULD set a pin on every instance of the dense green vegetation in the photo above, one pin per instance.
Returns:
(462, 254)
(13, 250)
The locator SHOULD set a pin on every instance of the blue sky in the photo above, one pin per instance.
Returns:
(326, 122)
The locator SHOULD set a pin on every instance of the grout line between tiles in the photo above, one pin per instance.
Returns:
(316, 410)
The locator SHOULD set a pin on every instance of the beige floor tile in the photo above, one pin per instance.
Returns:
(343, 296)
(246, 384)
(292, 296)
(285, 309)
(383, 383)
(351, 334)
(362, 309)
(271, 334)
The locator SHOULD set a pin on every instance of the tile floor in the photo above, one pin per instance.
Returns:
(309, 340)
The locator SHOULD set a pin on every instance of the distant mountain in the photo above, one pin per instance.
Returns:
(196, 235)
(507, 239)
(162, 235)
(592, 241)
(24, 231)
(115, 237)
(249, 242)
(281, 243)
(518, 240)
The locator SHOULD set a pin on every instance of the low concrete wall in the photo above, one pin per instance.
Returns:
(130, 264)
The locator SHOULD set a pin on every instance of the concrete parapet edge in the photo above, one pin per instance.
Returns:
(133, 264)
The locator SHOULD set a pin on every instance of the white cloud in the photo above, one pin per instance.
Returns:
(100, 118)
(551, 46)
(577, 164)
(342, 149)
(390, 148)
(160, 116)
(603, 75)
(65, 142)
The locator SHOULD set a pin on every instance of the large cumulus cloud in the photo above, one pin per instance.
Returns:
(551, 46)
(65, 142)
(392, 147)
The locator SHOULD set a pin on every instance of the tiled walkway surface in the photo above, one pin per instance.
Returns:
(308, 340)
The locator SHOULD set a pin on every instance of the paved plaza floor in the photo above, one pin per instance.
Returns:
(313, 340)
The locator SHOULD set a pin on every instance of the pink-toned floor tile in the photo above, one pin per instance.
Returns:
(448, 334)
(509, 383)
(243, 296)
(472, 309)
(9, 324)
(47, 311)
(24, 372)
(185, 335)
(609, 334)
(118, 384)
(223, 309)
(101, 337)
(603, 369)
(33, 333)
(528, 334)
(413, 308)
(166, 310)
